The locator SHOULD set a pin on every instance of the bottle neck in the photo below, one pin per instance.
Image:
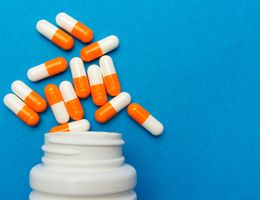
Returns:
(83, 149)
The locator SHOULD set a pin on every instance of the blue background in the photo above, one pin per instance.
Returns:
(194, 64)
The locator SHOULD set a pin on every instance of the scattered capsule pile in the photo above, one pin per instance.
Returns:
(99, 82)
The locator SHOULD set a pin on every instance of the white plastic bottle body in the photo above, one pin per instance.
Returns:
(83, 166)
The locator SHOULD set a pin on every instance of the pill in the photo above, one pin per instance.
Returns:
(71, 100)
(97, 49)
(80, 125)
(97, 87)
(54, 34)
(110, 77)
(74, 27)
(23, 111)
(111, 108)
(56, 103)
(144, 118)
(47, 69)
(29, 96)
(80, 79)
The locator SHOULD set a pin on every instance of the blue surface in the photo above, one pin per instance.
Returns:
(194, 64)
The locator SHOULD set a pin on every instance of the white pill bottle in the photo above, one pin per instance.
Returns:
(83, 166)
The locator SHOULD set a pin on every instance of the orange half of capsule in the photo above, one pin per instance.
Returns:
(105, 113)
(82, 32)
(60, 128)
(91, 52)
(112, 84)
(55, 66)
(98, 93)
(52, 94)
(30, 117)
(63, 40)
(138, 113)
(82, 87)
(36, 101)
(75, 109)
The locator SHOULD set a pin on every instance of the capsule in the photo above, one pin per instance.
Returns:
(144, 118)
(110, 77)
(71, 100)
(47, 69)
(54, 34)
(97, 87)
(74, 27)
(80, 79)
(56, 103)
(23, 111)
(29, 96)
(81, 125)
(111, 108)
(97, 49)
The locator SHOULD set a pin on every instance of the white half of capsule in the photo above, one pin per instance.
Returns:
(77, 67)
(46, 28)
(60, 112)
(67, 91)
(21, 89)
(65, 21)
(95, 75)
(108, 44)
(13, 103)
(37, 73)
(80, 125)
(120, 101)
(153, 125)
(107, 66)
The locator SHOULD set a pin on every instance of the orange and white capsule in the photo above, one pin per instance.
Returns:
(29, 96)
(111, 108)
(80, 125)
(97, 49)
(47, 69)
(144, 118)
(109, 75)
(23, 111)
(54, 34)
(97, 87)
(80, 79)
(56, 103)
(71, 100)
(74, 27)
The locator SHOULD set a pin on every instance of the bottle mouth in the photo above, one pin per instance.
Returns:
(90, 138)
(83, 149)
(86, 133)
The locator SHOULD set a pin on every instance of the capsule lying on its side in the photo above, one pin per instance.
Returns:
(111, 108)
(80, 79)
(81, 125)
(74, 27)
(144, 118)
(54, 34)
(97, 87)
(29, 96)
(71, 100)
(23, 111)
(109, 75)
(97, 49)
(47, 69)
(56, 103)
